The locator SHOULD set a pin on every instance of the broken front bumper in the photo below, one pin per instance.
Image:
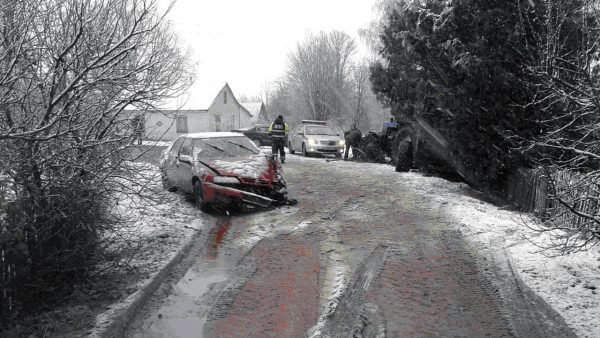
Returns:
(218, 194)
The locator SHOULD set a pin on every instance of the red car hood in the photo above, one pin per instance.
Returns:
(254, 167)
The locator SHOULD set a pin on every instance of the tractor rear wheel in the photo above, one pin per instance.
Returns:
(404, 156)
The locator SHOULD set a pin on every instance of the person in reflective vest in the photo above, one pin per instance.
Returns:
(279, 132)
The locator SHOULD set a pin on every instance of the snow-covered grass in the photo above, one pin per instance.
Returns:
(568, 282)
(153, 214)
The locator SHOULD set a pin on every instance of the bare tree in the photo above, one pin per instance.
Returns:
(565, 73)
(319, 70)
(370, 34)
(361, 87)
(69, 71)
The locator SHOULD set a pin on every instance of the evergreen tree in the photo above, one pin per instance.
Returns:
(458, 65)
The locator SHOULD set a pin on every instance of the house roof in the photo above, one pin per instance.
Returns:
(253, 107)
(214, 134)
(199, 96)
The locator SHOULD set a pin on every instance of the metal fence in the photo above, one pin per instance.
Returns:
(527, 189)
(536, 191)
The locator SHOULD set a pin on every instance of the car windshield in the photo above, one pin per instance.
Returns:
(212, 148)
(319, 130)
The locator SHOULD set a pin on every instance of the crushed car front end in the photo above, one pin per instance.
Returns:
(256, 182)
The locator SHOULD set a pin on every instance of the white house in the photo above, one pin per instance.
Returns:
(224, 113)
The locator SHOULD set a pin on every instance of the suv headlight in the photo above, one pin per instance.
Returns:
(312, 142)
(341, 142)
(225, 180)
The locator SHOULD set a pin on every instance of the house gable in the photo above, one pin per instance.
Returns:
(226, 113)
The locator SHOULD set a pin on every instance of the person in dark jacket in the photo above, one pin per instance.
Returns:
(279, 131)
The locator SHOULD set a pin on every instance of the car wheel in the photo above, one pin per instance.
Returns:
(304, 153)
(292, 151)
(167, 184)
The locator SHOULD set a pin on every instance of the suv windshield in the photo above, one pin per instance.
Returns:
(211, 148)
(319, 130)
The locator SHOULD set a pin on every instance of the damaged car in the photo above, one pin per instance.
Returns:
(222, 171)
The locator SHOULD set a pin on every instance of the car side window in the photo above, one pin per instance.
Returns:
(186, 147)
(176, 145)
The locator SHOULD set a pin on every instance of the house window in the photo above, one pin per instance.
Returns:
(225, 97)
(217, 122)
(181, 123)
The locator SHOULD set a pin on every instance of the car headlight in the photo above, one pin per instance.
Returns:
(342, 142)
(225, 180)
(312, 142)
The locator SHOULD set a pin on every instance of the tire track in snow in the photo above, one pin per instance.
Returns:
(335, 279)
(345, 318)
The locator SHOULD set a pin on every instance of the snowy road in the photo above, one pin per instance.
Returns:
(359, 255)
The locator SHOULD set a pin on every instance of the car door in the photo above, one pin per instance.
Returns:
(294, 138)
(184, 166)
(300, 138)
(171, 161)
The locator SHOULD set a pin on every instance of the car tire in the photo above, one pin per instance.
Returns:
(304, 153)
(167, 184)
(292, 151)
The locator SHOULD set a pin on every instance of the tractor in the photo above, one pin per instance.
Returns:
(417, 144)
(411, 144)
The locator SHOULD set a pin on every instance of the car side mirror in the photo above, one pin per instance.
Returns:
(185, 159)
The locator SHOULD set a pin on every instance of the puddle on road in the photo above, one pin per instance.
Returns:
(184, 312)
(180, 315)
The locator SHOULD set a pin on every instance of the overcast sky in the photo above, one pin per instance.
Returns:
(246, 42)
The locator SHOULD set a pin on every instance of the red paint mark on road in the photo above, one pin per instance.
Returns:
(223, 225)
(301, 251)
(282, 298)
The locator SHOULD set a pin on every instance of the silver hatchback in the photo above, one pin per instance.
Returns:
(316, 139)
